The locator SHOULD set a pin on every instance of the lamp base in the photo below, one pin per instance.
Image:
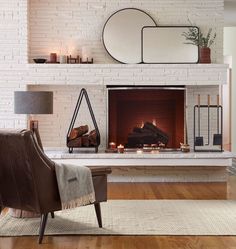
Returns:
(33, 125)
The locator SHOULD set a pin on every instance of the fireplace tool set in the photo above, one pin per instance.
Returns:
(203, 117)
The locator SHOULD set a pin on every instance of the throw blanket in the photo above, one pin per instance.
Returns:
(75, 185)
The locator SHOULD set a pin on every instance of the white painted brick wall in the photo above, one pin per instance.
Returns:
(61, 24)
(51, 22)
(13, 32)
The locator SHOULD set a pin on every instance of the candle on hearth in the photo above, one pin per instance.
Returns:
(112, 145)
(120, 148)
(139, 151)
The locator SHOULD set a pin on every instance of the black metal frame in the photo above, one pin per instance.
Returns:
(140, 37)
(159, 27)
(83, 93)
(219, 148)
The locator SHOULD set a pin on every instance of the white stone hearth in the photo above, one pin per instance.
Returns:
(154, 167)
(155, 157)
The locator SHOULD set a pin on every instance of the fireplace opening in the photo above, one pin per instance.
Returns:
(150, 116)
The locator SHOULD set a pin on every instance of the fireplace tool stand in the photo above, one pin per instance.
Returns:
(215, 144)
(83, 93)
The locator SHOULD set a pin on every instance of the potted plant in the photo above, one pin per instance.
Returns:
(196, 37)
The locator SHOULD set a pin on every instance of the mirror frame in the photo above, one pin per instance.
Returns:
(141, 62)
(159, 27)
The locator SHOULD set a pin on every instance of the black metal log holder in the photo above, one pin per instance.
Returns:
(83, 93)
(219, 123)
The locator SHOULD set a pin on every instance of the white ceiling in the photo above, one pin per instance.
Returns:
(230, 13)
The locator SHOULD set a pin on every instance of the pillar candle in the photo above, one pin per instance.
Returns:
(53, 57)
(86, 53)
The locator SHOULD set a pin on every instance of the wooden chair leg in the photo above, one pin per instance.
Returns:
(52, 215)
(98, 213)
(43, 223)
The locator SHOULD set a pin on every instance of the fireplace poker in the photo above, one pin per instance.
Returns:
(199, 139)
(217, 138)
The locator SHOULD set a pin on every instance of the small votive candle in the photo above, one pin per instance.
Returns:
(120, 148)
(139, 151)
(112, 145)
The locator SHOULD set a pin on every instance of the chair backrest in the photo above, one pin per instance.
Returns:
(27, 175)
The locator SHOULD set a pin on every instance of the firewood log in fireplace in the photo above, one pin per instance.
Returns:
(148, 134)
(78, 132)
(161, 135)
(139, 139)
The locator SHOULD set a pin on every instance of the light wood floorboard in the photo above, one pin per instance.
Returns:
(205, 191)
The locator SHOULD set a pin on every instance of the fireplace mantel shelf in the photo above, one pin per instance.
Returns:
(127, 74)
(117, 65)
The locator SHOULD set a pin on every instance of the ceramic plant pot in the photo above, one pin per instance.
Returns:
(205, 55)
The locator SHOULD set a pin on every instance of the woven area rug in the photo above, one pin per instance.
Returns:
(135, 217)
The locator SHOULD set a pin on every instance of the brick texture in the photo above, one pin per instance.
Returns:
(62, 24)
(35, 28)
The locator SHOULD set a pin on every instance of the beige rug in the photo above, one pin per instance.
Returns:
(136, 217)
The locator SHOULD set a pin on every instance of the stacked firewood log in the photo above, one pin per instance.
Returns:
(148, 134)
(81, 137)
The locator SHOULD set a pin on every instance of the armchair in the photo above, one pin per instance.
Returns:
(28, 180)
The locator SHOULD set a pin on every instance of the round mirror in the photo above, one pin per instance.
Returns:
(122, 34)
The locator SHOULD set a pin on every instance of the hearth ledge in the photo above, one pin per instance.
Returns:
(223, 159)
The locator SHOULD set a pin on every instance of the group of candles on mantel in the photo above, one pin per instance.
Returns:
(73, 57)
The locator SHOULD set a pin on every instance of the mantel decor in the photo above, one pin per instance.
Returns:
(122, 34)
(78, 137)
(204, 42)
(165, 44)
(132, 36)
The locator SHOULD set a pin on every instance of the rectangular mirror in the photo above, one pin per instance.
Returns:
(165, 44)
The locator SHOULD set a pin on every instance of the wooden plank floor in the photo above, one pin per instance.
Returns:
(143, 191)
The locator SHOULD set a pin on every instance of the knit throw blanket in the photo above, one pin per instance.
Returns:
(75, 185)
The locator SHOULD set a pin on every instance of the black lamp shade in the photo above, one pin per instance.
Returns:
(33, 102)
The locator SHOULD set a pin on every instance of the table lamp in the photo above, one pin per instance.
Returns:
(33, 102)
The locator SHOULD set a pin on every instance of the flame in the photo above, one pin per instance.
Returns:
(142, 124)
(154, 122)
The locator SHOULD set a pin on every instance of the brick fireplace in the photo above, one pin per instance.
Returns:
(37, 27)
(65, 97)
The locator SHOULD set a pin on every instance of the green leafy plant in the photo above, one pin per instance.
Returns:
(196, 37)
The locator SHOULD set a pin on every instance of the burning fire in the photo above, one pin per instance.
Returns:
(142, 124)
(154, 122)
